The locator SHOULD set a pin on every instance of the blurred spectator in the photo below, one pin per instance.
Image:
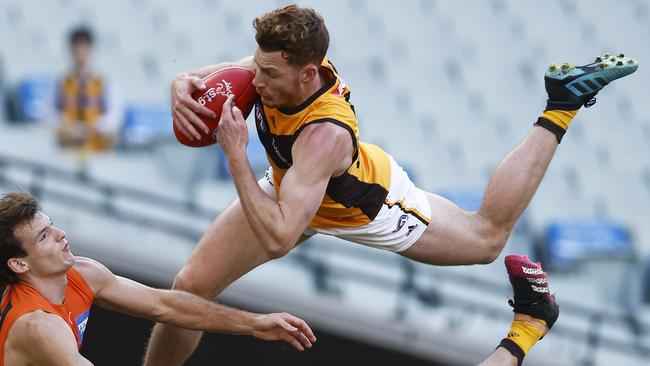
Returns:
(89, 116)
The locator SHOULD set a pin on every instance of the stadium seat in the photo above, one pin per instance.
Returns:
(145, 125)
(567, 243)
(35, 97)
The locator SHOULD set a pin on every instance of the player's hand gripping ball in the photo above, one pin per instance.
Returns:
(218, 86)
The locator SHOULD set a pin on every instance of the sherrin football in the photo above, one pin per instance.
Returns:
(218, 86)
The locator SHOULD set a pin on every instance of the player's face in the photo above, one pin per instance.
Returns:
(48, 252)
(275, 80)
(81, 53)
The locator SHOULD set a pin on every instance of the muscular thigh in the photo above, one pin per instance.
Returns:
(227, 250)
(452, 237)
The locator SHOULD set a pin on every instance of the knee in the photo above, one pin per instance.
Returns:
(493, 241)
(186, 280)
(490, 254)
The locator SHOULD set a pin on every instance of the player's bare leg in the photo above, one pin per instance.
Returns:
(457, 237)
(500, 357)
(228, 250)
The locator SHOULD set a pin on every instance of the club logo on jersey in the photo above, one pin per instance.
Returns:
(259, 118)
(82, 321)
(411, 228)
(223, 88)
(400, 223)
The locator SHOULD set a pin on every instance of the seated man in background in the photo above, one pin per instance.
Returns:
(45, 306)
(89, 117)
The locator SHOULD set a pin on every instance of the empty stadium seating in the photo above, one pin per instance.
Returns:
(447, 87)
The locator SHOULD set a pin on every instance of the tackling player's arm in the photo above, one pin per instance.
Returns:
(321, 151)
(184, 108)
(40, 338)
(182, 309)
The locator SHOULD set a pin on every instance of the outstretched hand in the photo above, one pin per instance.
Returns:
(285, 327)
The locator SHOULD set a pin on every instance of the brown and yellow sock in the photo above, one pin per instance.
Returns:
(525, 334)
(560, 117)
(557, 121)
(522, 337)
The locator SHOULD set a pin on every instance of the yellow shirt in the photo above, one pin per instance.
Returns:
(351, 199)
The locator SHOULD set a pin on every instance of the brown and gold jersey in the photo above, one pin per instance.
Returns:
(82, 98)
(351, 199)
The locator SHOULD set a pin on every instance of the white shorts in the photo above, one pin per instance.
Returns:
(401, 221)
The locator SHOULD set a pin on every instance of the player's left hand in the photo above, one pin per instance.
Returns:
(232, 133)
(284, 327)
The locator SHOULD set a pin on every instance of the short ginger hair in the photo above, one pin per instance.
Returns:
(298, 32)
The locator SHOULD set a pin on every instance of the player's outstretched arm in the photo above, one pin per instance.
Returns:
(185, 310)
(39, 338)
(184, 108)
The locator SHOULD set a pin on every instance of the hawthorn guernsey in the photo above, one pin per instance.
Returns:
(219, 85)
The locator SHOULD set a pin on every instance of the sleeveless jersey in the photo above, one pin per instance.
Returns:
(351, 199)
(83, 100)
(20, 299)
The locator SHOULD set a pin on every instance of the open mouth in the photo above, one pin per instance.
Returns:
(66, 247)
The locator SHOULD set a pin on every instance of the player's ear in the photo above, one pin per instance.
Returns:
(309, 73)
(18, 265)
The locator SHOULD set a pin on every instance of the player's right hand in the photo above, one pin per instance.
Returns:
(284, 327)
(185, 108)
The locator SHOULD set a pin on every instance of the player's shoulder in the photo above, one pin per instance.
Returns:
(95, 273)
(38, 336)
(86, 265)
(332, 107)
(320, 130)
(327, 138)
(37, 326)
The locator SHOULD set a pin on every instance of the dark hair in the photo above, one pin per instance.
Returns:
(16, 208)
(299, 32)
(81, 35)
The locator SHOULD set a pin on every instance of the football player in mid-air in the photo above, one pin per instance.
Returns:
(322, 179)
